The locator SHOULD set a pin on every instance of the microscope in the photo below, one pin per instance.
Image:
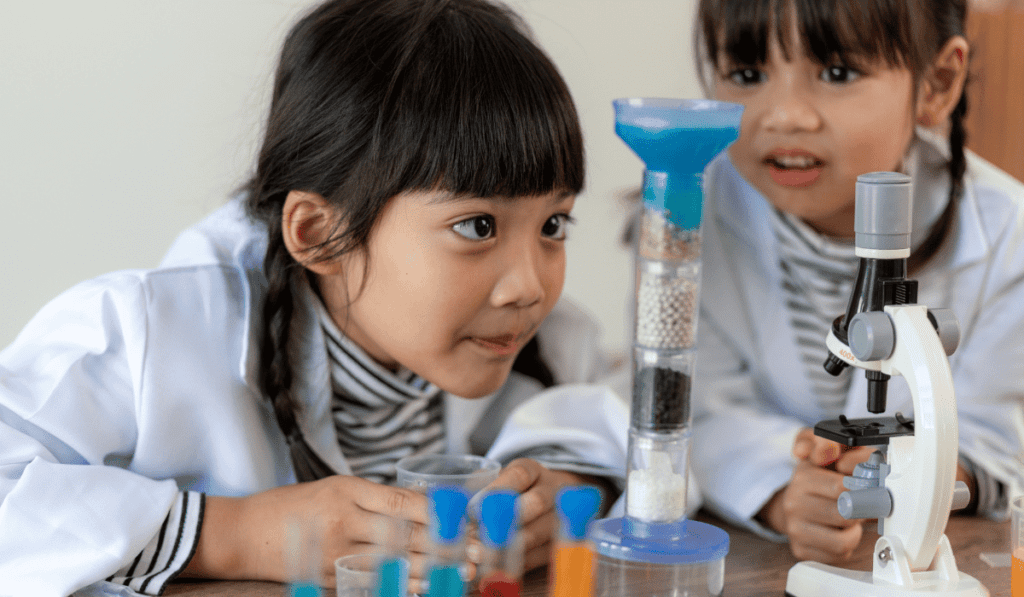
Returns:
(909, 483)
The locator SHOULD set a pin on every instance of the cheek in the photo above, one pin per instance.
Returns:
(874, 150)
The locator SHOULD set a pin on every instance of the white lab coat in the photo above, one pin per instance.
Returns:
(136, 385)
(751, 394)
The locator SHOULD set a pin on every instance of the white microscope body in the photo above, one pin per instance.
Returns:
(913, 487)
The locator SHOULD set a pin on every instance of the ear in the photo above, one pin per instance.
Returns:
(944, 82)
(306, 223)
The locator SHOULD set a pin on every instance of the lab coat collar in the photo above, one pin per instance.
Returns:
(312, 385)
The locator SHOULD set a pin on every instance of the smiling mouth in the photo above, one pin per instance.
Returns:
(794, 162)
(799, 170)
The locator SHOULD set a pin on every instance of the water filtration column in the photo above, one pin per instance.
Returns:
(676, 139)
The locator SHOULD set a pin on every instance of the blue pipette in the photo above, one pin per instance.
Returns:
(447, 515)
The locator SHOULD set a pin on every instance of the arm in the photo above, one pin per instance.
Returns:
(67, 414)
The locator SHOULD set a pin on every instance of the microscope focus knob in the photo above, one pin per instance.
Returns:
(948, 328)
(871, 336)
(961, 496)
(871, 502)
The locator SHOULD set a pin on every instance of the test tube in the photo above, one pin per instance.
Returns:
(447, 516)
(303, 559)
(572, 561)
(392, 576)
(676, 139)
(1017, 547)
(501, 570)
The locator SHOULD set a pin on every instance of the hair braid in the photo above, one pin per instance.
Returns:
(957, 168)
(275, 371)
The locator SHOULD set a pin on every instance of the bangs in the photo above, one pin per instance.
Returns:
(474, 113)
(854, 32)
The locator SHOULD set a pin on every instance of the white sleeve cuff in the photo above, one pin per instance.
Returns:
(169, 551)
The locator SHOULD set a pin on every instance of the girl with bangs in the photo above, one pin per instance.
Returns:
(386, 285)
(832, 90)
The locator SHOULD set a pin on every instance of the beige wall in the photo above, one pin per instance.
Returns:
(122, 122)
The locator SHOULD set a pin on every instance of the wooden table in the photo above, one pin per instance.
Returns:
(753, 568)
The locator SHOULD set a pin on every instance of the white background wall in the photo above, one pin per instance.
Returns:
(124, 121)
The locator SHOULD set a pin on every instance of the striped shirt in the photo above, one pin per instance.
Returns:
(380, 416)
(818, 275)
(169, 551)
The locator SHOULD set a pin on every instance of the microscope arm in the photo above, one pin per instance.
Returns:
(923, 466)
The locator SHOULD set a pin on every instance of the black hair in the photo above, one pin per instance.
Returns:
(375, 97)
(900, 33)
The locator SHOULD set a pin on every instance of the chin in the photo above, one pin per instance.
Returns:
(476, 388)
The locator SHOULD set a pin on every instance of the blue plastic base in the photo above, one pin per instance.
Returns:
(685, 542)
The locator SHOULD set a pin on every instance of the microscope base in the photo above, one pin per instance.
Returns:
(811, 579)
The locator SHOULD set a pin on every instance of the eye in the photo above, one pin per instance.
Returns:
(557, 226)
(839, 73)
(476, 228)
(746, 76)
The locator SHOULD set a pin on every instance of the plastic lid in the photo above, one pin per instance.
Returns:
(447, 510)
(576, 507)
(498, 517)
(686, 542)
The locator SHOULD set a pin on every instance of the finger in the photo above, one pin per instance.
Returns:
(825, 512)
(851, 458)
(540, 531)
(419, 572)
(537, 556)
(519, 475)
(803, 444)
(826, 544)
(824, 452)
(814, 480)
(396, 502)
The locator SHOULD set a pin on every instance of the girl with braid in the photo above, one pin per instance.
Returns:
(833, 89)
(386, 284)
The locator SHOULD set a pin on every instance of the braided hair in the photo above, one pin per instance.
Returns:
(372, 98)
(904, 33)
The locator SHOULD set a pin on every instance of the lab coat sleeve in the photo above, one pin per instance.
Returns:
(741, 452)
(71, 513)
(583, 423)
(989, 380)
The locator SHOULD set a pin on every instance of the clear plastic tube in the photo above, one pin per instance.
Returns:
(668, 269)
(501, 569)
(448, 511)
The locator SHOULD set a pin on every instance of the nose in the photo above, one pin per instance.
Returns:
(526, 278)
(791, 108)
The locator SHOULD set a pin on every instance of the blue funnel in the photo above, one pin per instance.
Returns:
(676, 139)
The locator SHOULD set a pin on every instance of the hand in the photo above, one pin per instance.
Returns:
(827, 453)
(806, 512)
(538, 522)
(247, 538)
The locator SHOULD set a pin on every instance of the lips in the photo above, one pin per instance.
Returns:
(794, 168)
(503, 345)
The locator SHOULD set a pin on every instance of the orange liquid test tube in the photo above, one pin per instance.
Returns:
(1017, 573)
(573, 571)
(573, 559)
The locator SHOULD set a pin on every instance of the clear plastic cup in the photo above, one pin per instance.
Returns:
(1017, 547)
(469, 472)
(356, 575)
